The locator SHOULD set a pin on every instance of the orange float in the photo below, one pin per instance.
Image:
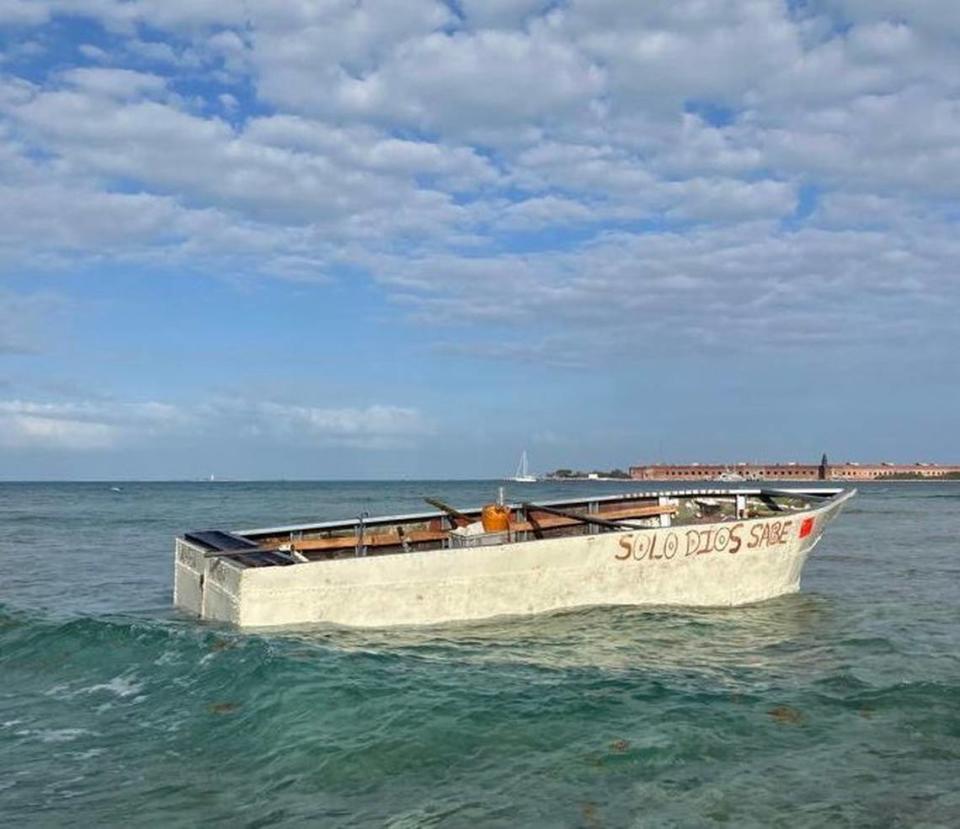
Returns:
(495, 518)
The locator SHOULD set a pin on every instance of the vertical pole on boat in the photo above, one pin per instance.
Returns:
(360, 528)
(500, 496)
(663, 501)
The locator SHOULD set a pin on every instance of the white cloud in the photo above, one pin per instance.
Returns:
(545, 211)
(730, 199)
(476, 84)
(94, 53)
(113, 83)
(79, 219)
(279, 171)
(174, 15)
(592, 160)
(501, 13)
(940, 18)
(306, 55)
(97, 425)
(376, 426)
(905, 141)
(21, 431)
(694, 289)
(659, 54)
(159, 52)
(80, 426)
(22, 12)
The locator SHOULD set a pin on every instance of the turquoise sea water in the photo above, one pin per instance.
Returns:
(838, 706)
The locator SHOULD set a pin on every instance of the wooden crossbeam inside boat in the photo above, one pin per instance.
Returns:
(546, 521)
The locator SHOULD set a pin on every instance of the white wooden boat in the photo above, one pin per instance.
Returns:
(717, 547)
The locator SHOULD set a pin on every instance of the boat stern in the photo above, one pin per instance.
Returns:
(208, 588)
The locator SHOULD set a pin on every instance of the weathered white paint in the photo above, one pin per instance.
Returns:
(661, 566)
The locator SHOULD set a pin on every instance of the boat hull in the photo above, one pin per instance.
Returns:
(719, 564)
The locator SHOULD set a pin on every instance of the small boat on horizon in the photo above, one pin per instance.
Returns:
(522, 475)
(730, 476)
(689, 548)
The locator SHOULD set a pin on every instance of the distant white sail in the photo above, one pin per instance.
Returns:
(523, 475)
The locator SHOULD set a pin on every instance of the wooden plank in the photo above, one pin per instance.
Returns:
(342, 542)
(560, 518)
(574, 518)
(637, 511)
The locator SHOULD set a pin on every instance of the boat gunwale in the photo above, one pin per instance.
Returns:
(826, 493)
(835, 496)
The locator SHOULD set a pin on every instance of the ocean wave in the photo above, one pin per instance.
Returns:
(511, 718)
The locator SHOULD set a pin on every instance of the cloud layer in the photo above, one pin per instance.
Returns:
(94, 425)
(294, 138)
(583, 177)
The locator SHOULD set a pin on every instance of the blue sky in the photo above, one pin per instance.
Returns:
(382, 239)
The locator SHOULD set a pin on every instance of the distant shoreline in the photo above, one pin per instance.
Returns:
(500, 481)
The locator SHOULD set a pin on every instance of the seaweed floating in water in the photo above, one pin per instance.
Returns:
(785, 715)
(223, 707)
(222, 645)
(589, 811)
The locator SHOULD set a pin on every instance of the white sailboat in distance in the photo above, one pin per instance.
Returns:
(523, 475)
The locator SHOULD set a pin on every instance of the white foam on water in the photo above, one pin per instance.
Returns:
(60, 735)
(121, 686)
(168, 657)
(89, 754)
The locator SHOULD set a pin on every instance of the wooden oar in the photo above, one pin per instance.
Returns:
(767, 498)
(451, 511)
(583, 519)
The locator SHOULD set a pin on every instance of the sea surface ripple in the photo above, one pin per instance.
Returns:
(837, 706)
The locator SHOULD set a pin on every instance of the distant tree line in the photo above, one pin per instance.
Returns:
(577, 473)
